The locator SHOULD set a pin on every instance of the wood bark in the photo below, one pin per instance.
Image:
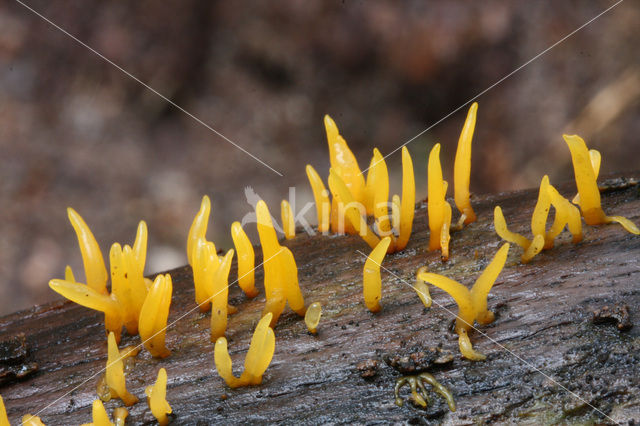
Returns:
(547, 361)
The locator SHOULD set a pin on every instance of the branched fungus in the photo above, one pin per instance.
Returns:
(257, 360)
(462, 167)
(115, 373)
(372, 283)
(472, 305)
(220, 297)
(156, 398)
(246, 260)
(154, 315)
(589, 194)
(421, 398)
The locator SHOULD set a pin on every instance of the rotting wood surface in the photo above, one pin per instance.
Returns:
(544, 322)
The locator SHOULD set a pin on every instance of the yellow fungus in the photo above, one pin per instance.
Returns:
(408, 203)
(395, 212)
(288, 224)
(99, 415)
(156, 398)
(289, 277)
(246, 260)
(312, 317)
(68, 274)
(115, 373)
(321, 196)
(29, 420)
(4, 419)
(154, 315)
(352, 211)
(472, 305)
(369, 189)
(381, 197)
(220, 297)
(258, 357)
(585, 176)
(372, 283)
(120, 416)
(87, 297)
(422, 288)
(127, 284)
(343, 161)
(198, 227)
(438, 208)
(94, 267)
(566, 215)
(462, 166)
(596, 159)
(205, 264)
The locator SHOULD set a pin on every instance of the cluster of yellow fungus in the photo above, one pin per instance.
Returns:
(371, 281)
(101, 418)
(586, 165)
(354, 199)
(154, 315)
(566, 215)
(257, 360)
(280, 271)
(156, 398)
(312, 317)
(472, 304)
(128, 285)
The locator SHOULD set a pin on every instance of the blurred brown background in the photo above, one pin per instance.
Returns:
(75, 131)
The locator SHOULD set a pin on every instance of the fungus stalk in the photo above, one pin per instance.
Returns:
(288, 223)
(438, 208)
(462, 167)
(312, 316)
(258, 357)
(115, 373)
(198, 228)
(472, 305)
(94, 267)
(156, 398)
(408, 202)
(154, 316)
(246, 260)
(220, 297)
(321, 196)
(372, 283)
(99, 415)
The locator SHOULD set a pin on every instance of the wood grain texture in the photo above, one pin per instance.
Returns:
(543, 324)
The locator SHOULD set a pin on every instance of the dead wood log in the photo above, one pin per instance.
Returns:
(547, 359)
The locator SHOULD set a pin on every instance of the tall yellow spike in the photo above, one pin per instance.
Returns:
(115, 374)
(462, 166)
(288, 223)
(94, 267)
(437, 205)
(198, 227)
(372, 283)
(246, 260)
(220, 297)
(408, 205)
(154, 316)
(321, 196)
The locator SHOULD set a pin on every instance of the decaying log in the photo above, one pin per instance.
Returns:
(547, 357)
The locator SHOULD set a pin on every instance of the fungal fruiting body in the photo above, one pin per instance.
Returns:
(94, 268)
(220, 297)
(408, 201)
(321, 197)
(115, 373)
(589, 194)
(156, 398)
(29, 420)
(120, 416)
(372, 283)
(257, 360)
(205, 264)
(472, 305)
(381, 197)
(288, 223)
(438, 208)
(312, 317)
(246, 260)
(99, 415)
(198, 228)
(422, 288)
(280, 271)
(566, 214)
(417, 382)
(462, 167)
(4, 419)
(128, 285)
(154, 315)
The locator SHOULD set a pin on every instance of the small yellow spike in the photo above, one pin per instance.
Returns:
(321, 196)
(395, 212)
(422, 288)
(541, 210)
(87, 297)
(372, 283)
(289, 271)
(596, 159)
(352, 209)
(198, 227)
(115, 374)
(257, 360)
(99, 415)
(288, 224)
(4, 420)
(140, 246)
(483, 284)
(246, 260)
(154, 315)
(205, 264)
(437, 205)
(268, 237)
(381, 197)
(500, 226)
(312, 317)
(220, 297)
(408, 206)
(462, 166)
(68, 274)
(94, 267)
(156, 398)
(29, 420)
